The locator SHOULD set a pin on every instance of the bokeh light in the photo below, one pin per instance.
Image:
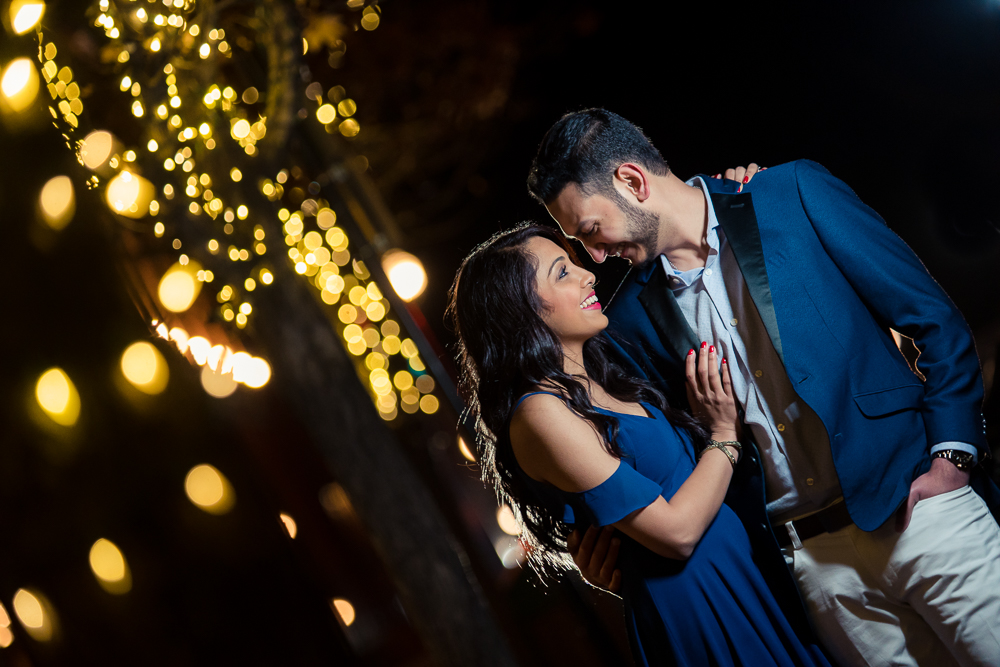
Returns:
(34, 614)
(406, 274)
(145, 368)
(217, 384)
(110, 567)
(58, 397)
(25, 15)
(130, 195)
(345, 610)
(19, 84)
(96, 149)
(209, 490)
(289, 523)
(179, 286)
(463, 448)
(507, 521)
(57, 202)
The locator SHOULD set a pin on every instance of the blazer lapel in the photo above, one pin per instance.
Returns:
(661, 306)
(738, 220)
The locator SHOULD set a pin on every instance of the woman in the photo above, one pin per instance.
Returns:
(567, 439)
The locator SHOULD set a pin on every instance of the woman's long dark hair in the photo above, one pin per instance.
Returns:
(506, 350)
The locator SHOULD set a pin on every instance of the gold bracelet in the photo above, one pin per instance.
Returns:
(722, 448)
(732, 443)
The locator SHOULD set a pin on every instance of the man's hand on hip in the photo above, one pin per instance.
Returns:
(595, 554)
(943, 477)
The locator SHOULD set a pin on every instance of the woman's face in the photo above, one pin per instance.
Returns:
(572, 310)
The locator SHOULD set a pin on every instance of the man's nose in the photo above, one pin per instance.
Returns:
(598, 252)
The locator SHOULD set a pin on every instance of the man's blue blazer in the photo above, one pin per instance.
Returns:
(829, 279)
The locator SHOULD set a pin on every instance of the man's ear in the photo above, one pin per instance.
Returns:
(633, 180)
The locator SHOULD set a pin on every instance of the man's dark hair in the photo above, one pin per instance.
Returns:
(585, 147)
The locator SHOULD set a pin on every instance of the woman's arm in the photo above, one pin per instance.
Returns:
(555, 445)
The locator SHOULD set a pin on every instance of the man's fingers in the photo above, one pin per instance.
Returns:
(601, 548)
(573, 543)
(586, 549)
(616, 581)
(608, 567)
(906, 511)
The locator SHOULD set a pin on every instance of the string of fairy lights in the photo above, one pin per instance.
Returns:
(190, 180)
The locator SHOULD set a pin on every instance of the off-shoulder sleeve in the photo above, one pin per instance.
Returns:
(615, 498)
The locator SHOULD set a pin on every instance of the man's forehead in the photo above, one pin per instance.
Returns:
(565, 209)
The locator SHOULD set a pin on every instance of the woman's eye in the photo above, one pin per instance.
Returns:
(563, 272)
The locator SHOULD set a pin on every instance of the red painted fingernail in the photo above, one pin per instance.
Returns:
(746, 179)
(690, 352)
(723, 360)
(739, 189)
(703, 344)
(712, 349)
(718, 175)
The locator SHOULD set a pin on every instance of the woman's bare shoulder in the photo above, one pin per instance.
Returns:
(553, 443)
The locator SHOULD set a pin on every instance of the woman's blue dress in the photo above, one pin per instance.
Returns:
(712, 609)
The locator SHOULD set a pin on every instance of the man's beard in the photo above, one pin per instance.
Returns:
(642, 228)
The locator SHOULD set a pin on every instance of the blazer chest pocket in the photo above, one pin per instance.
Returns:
(888, 401)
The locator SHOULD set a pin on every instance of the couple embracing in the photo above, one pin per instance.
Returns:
(737, 433)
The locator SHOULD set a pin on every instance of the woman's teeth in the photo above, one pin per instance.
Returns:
(589, 301)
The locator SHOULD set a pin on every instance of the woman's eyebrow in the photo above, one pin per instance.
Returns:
(558, 259)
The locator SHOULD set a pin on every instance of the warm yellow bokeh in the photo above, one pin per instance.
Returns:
(406, 274)
(32, 611)
(57, 202)
(344, 609)
(289, 523)
(129, 194)
(507, 521)
(208, 488)
(58, 397)
(19, 84)
(110, 567)
(145, 368)
(217, 384)
(96, 149)
(465, 451)
(179, 286)
(25, 15)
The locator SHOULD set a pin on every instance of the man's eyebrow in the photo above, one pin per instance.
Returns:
(558, 259)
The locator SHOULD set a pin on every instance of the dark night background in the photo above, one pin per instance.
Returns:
(899, 99)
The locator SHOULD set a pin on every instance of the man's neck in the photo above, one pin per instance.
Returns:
(684, 224)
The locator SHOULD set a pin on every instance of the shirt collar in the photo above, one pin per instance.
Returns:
(685, 278)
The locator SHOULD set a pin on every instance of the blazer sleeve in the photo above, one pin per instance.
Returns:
(896, 287)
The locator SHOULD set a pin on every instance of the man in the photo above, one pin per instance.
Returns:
(798, 283)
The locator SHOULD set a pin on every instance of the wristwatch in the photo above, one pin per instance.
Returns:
(962, 460)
